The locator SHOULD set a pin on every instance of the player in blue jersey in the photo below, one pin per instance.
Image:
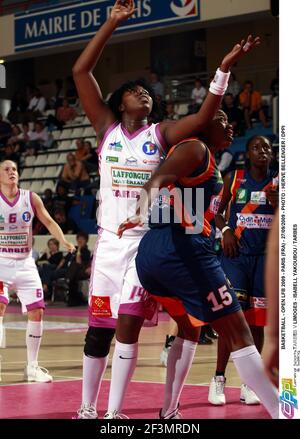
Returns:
(177, 264)
(251, 195)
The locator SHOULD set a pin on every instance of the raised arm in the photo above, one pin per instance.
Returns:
(88, 89)
(174, 132)
(186, 158)
(43, 215)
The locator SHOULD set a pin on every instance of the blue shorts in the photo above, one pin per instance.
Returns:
(183, 273)
(246, 275)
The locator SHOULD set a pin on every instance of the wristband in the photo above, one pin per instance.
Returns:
(224, 229)
(219, 84)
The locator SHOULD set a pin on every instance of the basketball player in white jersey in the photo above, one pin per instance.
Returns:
(17, 266)
(130, 150)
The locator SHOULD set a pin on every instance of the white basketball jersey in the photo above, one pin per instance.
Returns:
(126, 163)
(16, 226)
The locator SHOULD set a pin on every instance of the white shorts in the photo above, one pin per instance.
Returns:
(22, 275)
(114, 285)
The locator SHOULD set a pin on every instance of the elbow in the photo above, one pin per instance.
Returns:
(78, 70)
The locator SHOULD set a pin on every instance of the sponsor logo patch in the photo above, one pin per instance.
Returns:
(26, 217)
(258, 302)
(258, 197)
(129, 177)
(214, 204)
(241, 196)
(149, 148)
(110, 158)
(101, 306)
(254, 221)
(131, 161)
(115, 146)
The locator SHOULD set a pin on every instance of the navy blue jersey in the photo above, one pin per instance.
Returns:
(251, 214)
(192, 202)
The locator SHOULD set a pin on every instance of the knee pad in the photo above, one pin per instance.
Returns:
(98, 341)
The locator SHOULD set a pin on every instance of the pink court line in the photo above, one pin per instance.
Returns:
(61, 400)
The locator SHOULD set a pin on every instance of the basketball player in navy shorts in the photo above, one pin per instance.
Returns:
(130, 149)
(177, 264)
(252, 195)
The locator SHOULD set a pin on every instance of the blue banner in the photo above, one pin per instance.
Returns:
(71, 23)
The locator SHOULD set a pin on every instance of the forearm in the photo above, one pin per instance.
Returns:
(56, 231)
(91, 54)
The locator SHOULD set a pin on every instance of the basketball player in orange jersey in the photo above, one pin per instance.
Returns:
(130, 150)
(177, 264)
(17, 267)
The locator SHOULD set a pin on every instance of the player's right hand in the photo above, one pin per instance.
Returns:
(238, 51)
(230, 244)
(122, 10)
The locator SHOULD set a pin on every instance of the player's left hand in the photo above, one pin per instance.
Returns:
(130, 223)
(238, 51)
(69, 247)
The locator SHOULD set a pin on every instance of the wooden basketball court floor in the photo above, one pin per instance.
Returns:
(61, 354)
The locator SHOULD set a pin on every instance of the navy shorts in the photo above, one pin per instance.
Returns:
(246, 275)
(183, 273)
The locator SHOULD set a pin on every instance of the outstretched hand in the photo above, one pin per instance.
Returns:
(130, 223)
(122, 10)
(238, 51)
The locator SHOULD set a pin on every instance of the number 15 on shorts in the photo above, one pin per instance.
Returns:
(225, 299)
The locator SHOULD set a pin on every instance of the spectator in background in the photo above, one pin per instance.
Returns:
(80, 152)
(66, 224)
(48, 201)
(51, 260)
(17, 108)
(37, 104)
(90, 159)
(234, 87)
(251, 103)
(170, 112)
(198, 95)
(71, 93)
(65, 113)
(79, 269)
(234, 114)
(57, 99)
(38, 139)
(61, 201)
(74, 174)
(156, 85)
(5, 131)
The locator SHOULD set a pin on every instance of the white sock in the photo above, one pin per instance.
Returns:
(92, 374)
(123, 365)
(2, 334)
(250, 368)
(180, 359)
(33, 340)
